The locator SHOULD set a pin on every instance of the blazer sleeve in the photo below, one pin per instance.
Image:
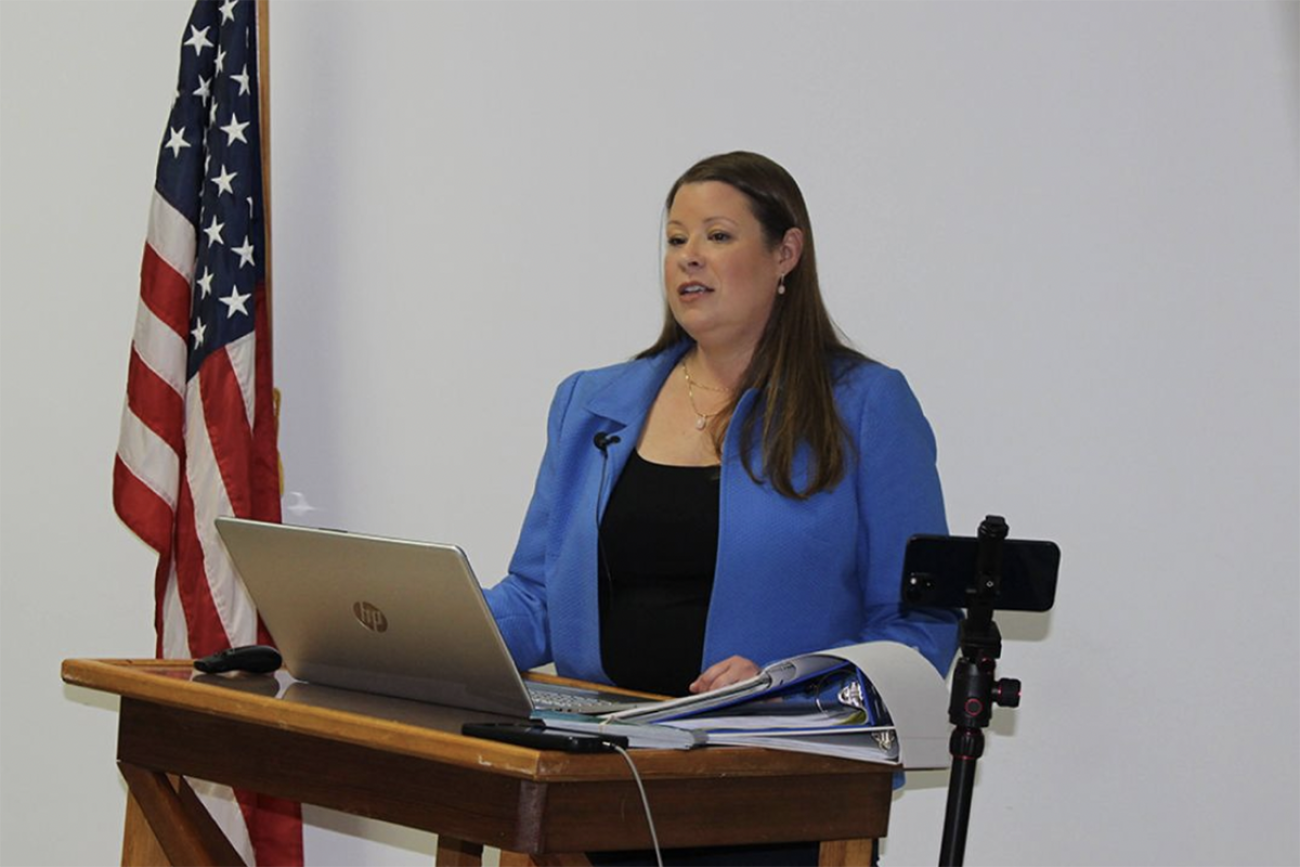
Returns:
(899, 496)
(518, 602)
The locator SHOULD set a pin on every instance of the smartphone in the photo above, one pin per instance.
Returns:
(939, 571)
(539, 737)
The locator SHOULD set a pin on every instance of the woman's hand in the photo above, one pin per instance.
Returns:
(725, 673)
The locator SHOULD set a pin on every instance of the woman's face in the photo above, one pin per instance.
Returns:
(720, 273)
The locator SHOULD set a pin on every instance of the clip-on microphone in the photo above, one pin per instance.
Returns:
(603, 441)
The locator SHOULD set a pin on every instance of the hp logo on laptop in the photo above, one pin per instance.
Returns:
(370, 617)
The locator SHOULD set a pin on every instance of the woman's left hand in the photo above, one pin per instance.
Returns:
(725, 673)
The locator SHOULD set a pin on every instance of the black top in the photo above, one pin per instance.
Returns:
(659, 538)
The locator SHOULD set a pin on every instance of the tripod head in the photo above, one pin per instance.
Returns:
(978, 634)
(983, 574)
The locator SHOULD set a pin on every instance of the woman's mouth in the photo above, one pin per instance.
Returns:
(690, 290)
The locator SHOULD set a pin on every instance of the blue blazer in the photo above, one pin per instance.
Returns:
(793, 576)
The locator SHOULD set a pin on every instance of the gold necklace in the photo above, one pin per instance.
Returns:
(701, 418)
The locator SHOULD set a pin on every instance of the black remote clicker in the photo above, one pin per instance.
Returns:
(253, 658)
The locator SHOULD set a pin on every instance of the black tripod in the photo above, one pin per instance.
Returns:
(974, 688)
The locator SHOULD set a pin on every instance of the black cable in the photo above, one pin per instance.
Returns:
(645, 802)
(603, 441)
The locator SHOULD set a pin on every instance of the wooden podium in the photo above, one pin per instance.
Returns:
(405, 762)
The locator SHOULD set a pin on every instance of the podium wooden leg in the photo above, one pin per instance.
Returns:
(847, 853)
(457, 853)
(565, 859)
(170, 823)
(140, 848)
(833, 853)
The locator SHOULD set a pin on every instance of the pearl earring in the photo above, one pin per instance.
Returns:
(780, 285)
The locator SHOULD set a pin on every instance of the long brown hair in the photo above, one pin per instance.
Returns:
(793, 365)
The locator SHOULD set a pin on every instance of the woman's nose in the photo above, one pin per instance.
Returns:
(689, 255)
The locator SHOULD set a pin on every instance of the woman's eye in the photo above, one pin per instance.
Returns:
(720, 236)
(676, 241)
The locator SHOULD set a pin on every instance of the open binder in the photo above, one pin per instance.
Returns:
(879, 701)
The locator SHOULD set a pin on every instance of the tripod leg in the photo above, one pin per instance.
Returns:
(966, 747)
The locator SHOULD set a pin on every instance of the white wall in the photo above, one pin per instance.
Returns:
(1073, 226)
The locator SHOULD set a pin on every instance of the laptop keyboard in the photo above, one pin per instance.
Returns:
(573, 702)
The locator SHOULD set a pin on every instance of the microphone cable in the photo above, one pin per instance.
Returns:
(645, 803)
(603, 441)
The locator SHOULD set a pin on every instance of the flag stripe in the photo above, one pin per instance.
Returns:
(243, 364)
(226, 457)
(155, 403)
(231, 444)
(221, 802)
(276, 819)
(207, 634)
(207, 581)
(148, 459)
(160, 348)
(265, 484)
(151, 514)
(172, 239)
(173, 636)
(165, 293)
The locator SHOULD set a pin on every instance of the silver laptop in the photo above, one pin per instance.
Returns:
(388, 616)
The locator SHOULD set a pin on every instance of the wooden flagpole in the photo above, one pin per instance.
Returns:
(263, 8)
(264, 117)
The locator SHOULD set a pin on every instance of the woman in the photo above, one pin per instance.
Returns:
(741, 491)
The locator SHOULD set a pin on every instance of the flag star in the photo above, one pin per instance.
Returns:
(221, 60)
(245, 253)
(214, 232)
(235, 129)
(223, 181)
(242, 78)
(204, 89)
(228, 11)
(199, 329)
(177, 141)
(235, 302)
(199, 39)
(207, 161)
(212, 115)
(205, 283)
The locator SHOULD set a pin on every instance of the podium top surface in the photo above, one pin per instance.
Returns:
(416, 729)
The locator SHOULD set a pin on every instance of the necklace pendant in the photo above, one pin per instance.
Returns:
(701, 422)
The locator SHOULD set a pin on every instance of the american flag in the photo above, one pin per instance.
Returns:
(198, 433)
